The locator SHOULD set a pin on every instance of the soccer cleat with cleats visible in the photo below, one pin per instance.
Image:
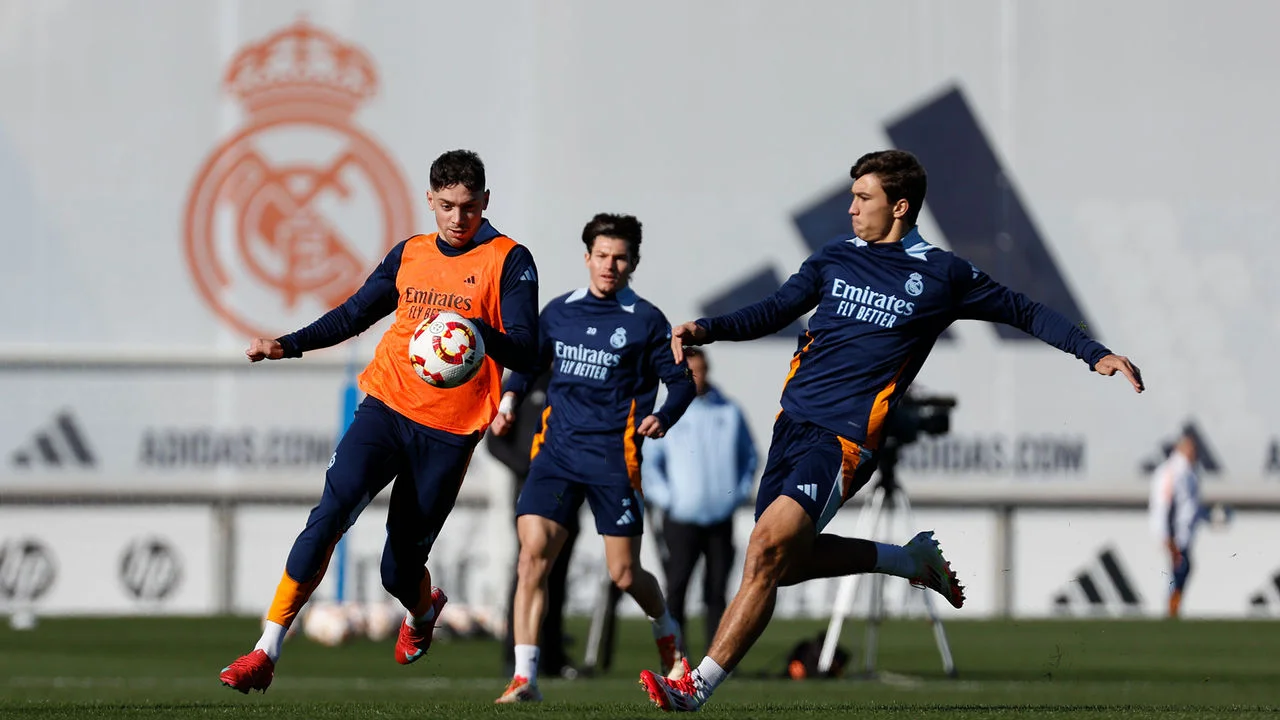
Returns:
(672, 695)
(933, 570)
(413, 643)
(249, 672)
(671, 653)
(519, 690)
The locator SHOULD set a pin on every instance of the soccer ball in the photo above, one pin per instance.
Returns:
(383, 620)
(446, 350)
(328, 623)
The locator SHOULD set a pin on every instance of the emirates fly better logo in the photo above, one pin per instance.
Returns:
(267, 221)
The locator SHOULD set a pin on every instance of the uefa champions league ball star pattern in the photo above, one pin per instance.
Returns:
(446, 350)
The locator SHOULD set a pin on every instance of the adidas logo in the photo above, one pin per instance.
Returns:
(810, 489)
(530, 275)
(1103, 588)
(61, 444)
(1265, 601)
(470, 280)
(627, 518)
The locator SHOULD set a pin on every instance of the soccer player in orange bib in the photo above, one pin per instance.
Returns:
(406, 430)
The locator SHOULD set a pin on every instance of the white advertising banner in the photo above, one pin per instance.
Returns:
(1108, 564)
(127, 560)
(241, 167)
(121, 560)
(473, 559)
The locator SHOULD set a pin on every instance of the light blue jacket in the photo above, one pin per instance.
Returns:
(703, 468)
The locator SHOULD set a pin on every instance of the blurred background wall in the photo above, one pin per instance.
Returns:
(173, 181)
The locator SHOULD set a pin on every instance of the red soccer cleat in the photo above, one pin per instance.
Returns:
(672, 695)
(934, 571)
(414, 642)
(249, 672)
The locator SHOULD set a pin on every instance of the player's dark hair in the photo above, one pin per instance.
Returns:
(697, 352)
(458, 167)
(623, 227)
(900, 174)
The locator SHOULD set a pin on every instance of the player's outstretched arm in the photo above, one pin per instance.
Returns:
(1111, 364)
(797, 296)
(985, 299)
(375, 299)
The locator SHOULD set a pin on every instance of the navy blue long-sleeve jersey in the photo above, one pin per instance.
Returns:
(879, 310)
(515, 347)
(606, 357)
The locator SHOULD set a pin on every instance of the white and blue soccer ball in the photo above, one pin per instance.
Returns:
(446, 350)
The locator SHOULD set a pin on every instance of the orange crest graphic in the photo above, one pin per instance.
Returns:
(289, 215)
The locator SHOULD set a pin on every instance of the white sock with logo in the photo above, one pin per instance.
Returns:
(894, 560)
(707, 677)
(527, 662)
(272, 639)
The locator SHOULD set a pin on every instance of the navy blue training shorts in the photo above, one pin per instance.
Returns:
(813, 466)
(553, 492)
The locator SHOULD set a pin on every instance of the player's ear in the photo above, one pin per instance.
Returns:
(900, 208)
(485, 204)
(431, 200)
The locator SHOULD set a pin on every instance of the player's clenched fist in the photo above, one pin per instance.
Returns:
(651, 427)
(264, 349)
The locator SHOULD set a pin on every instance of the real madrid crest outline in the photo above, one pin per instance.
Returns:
(260, 218)
(915, 284)
(618, 338)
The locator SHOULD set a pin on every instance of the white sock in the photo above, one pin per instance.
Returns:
(527, 662)
(894, 560)
(424, 619)
(707, 677)
(665, 625)
(271, 640)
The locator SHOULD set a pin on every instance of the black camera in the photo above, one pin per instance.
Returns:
(918, 415)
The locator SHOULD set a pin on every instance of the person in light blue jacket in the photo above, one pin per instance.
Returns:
(697, 475)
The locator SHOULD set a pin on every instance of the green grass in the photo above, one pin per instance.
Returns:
(154, 668)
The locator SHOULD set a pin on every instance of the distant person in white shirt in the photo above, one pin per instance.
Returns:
(1176, 509)
(698, 474)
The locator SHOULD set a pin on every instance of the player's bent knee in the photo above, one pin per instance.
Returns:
(768, 557)
(533, 567)
(623, 575)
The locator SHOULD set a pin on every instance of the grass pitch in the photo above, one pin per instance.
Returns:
(154, 668)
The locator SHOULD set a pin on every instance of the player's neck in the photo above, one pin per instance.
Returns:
(597, 293)
(895, 234)
(455, 243)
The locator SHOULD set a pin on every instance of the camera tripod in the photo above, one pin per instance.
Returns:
(889, 502)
